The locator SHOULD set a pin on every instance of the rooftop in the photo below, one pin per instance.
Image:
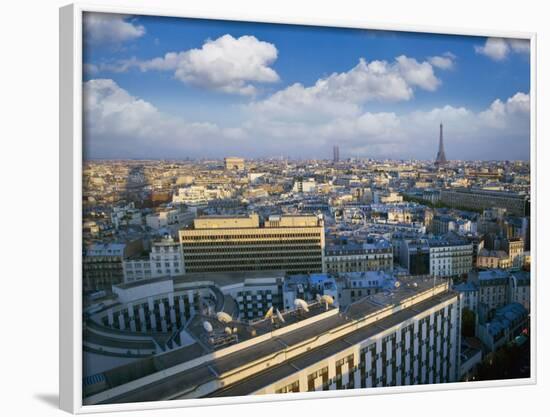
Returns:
(270, 339)
(505, 317)
(493, 274)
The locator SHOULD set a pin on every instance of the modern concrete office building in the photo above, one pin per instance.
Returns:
(515, 204)
(414, 255)
(407, 336)
(292, 243)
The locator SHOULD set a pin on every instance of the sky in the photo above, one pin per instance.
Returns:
(173, 88)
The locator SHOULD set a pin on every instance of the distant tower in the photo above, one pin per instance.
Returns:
(336, 154)
(440, 159)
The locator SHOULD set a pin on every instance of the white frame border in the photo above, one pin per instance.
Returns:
(70, 202)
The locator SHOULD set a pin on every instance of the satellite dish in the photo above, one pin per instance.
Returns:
(228, 330)
(235, 330)
(397, 284)
(269, 313)
(207, 326)
(299, 303)
(327, 299)
(280, 316)
(224, 317)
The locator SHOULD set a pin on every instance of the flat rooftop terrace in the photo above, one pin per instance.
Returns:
(222, 279)
(188, 380)
(250, 385)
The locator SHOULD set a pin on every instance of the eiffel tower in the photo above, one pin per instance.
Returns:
(440, 159)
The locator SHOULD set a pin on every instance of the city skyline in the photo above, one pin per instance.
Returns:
(171, 88)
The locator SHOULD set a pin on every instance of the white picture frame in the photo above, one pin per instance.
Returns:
(70, 152)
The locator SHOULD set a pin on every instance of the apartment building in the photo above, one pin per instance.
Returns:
(474, 199)
(450, 257)
(102, 264)
(407, 337)
(164, 261)
(376, 256)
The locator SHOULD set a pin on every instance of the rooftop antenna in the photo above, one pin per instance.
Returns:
(269, 314)
(207, 326)
(223, 317)
(301, 304)
(280, 316)
(328, 300)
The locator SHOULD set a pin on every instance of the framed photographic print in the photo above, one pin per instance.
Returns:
(264, 209)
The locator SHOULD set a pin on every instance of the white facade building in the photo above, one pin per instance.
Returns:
(165, 260)
(450, 258)
(198, 194)
(304, 186)
(410, 336)
(126, 215)
(168, 218)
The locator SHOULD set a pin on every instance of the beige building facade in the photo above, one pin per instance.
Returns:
(294, 244)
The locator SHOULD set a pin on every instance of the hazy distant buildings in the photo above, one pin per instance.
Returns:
(125, 215)
(304, 185)
(169, 217)
(233, 163)
(387, 197)
(198, 194)
(294, 244)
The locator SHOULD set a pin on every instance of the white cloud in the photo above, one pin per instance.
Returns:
(227, 64)
(91, 69)
(520, 45)
(118, 124)
(103, 28)
(504, 114)
(500, 127)
(444, 62)
(498, 49)
(342, 94)
(115, 121)
(416, 73)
